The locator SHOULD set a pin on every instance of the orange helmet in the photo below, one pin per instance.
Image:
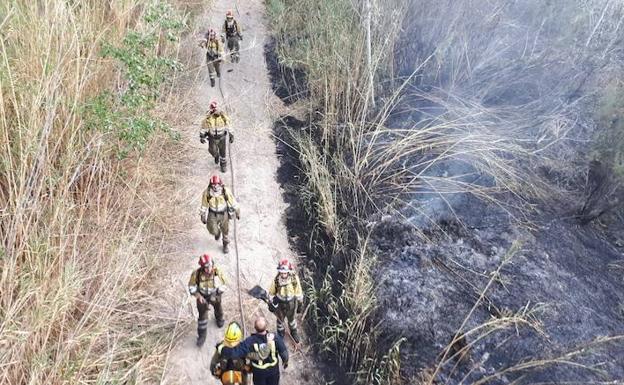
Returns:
(284, 266)
(214, 180)
(206, 261)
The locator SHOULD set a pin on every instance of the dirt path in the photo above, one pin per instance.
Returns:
(261, 231)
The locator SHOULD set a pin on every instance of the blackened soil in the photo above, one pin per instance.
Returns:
(288, 84)
(300, 228)
(569, 274)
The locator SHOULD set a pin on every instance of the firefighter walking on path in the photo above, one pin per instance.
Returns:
(287, 298)
(231, 371)
(215, 128)
(233, 34)
(203, 286)
(267, 349)
(214, 54)
(217, 208)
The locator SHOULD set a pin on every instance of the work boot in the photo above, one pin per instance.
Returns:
(220, 323)
(212, 82)
(223, 167)
(226, 248)
(281, 332)
(218, 236)
(200, 340)
(216, 158)
(294, 335)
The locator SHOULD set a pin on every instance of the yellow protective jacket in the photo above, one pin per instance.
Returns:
(214, 125)
(287, 289)
(204, 283)
(221, 203)
(214, 48)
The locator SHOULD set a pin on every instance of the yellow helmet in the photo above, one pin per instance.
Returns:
(233, 334)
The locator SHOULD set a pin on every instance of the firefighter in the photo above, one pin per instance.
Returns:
(266, 349)
(287, 298)
(231, 371)
(215, 129)
(203, 287)
(214, 54)
(233, 34)
(218, 206)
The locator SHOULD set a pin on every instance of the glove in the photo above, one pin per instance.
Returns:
(241, 36)
(231, 137)
(272, 308)
(285, 364)
(238, 216)
(221, 289)
(202, 140)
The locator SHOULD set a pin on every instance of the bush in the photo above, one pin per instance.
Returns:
(146, 70)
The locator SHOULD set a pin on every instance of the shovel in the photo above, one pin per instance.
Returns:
(259, 293)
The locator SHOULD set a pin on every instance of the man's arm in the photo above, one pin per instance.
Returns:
(192, 284)
(205, 197)
(232, 203)
(272, 288)
(239, 351)
(298, 289)
(219, 274)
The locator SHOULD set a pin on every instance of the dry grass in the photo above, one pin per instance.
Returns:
(76, 293)
(494, 108)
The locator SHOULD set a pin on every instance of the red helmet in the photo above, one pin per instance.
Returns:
(206, 261)
(213, 105)
(284, 266)
(229, 14)
(214, 180)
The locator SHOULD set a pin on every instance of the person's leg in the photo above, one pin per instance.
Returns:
(213, 148)
(225, 229)
(218, 310)
(202, 322)
(212, 71)
(221, 147)
(213, 225)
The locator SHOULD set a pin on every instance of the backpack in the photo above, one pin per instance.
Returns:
(231, 31)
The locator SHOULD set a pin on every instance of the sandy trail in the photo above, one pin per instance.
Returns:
(262, 238)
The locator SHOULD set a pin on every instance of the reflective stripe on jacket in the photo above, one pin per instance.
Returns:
(204, 283)
(215, 125)
(271, 359)
(219, 203)
(288, 289)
